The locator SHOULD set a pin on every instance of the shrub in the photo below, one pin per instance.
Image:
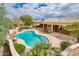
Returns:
(41, 49)
(64, 31)
(56, 51)
(19, 48)
(75, 34)
(65, 44)
(23, 27)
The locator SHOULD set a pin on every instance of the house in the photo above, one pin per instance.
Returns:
(55, 24)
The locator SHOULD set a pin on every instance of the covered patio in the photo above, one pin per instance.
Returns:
(55, 24)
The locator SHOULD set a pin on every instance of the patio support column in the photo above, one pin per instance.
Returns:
(47, 27)
(51, 27)
(43, 26)
(59, 26)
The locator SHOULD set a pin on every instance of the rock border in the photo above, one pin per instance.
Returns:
(70, 48)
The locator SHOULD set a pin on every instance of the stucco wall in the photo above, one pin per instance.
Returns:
(11, 46)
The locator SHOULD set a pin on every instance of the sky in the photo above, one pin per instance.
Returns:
(42, 10)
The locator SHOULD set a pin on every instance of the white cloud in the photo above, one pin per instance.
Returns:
(63, 9)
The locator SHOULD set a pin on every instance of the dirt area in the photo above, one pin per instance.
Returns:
(74, 52)
(5, 51)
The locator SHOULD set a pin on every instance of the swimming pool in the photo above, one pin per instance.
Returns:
(31, 38)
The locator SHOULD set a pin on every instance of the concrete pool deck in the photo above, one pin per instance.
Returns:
(55, 42)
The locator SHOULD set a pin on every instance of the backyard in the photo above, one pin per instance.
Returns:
(58, 36)
(64, 41)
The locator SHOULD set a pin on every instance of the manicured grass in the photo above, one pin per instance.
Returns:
(19, 48)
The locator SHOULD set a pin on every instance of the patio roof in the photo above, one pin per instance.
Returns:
(58, 21)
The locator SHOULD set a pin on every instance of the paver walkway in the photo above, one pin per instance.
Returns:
(60, 35)
(63, 36)
(55, 42)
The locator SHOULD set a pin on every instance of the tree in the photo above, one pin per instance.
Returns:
(27, 19)
(16, 22)
(42, 19)
(1, 11)
(4, 25)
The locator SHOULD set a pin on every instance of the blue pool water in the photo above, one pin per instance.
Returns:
(31, 38)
